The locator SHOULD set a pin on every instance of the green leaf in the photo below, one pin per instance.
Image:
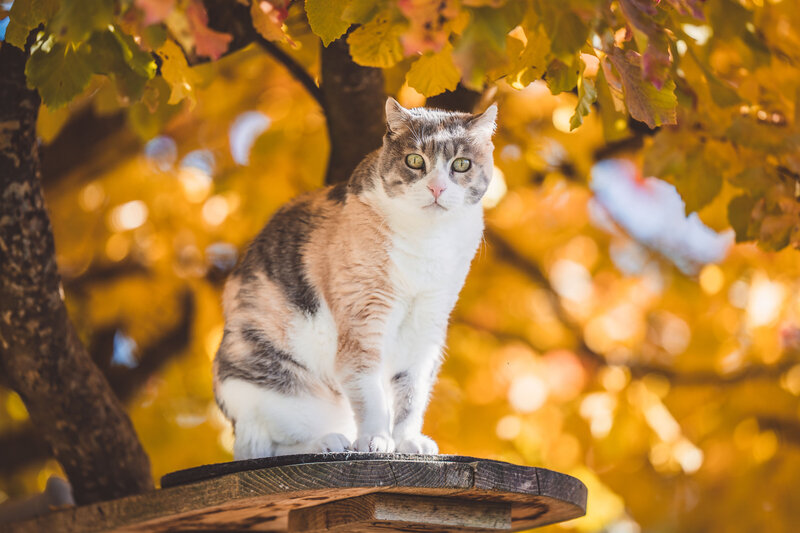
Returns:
(586, 96)
(360, 11)
(645, 103)
(26, 15)
(149, 116)
(137, 59)
(700, 182)
(154, 36)
(747, 131)
(59, 72)
(77, 19)
(116, 55)
(434, 73)
(377, 43)
(615, 121)
(740, 211)
(561, 77)
(566, 30)
(490, 26)
(754, 179)
(325, 19)
(481, 47)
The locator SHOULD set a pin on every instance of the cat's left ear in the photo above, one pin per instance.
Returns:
(397, 116)
(484, 124)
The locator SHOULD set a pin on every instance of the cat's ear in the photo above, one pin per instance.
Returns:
(397, 116)
(485, 123)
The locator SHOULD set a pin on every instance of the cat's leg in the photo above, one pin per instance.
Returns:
(360, 369)
(415, 363)
(268, 422)
(411, 390)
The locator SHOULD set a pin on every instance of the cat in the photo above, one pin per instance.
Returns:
(335, 319)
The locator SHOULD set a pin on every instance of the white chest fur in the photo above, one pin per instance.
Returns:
(434, 259)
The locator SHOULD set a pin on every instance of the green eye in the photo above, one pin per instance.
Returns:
(415, 161)
(461, 164)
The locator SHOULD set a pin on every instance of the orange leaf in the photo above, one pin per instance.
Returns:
(208, 42)
(155, 10)
(268, 19)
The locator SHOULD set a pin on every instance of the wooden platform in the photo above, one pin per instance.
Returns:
(337, 492)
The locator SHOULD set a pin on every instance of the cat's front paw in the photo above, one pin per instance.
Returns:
(418, 444)
(374, 443)
(331, 443)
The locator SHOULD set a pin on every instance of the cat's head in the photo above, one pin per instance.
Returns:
(435, 161)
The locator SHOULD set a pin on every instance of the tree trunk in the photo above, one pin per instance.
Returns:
(41, 357)
(354, 105)
(462, 99)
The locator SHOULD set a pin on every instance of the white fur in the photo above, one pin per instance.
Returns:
(313, 341)
(430, 257)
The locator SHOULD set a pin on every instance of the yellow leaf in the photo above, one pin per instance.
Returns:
(377, 43)
(176, 72)
(434, 73)
(325, 19)
(268, 20)
(532, 62)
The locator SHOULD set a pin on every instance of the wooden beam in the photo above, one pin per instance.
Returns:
(374, 513)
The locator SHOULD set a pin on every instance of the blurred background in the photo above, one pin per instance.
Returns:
(600, 333)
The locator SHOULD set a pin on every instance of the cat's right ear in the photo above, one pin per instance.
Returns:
(397, 116)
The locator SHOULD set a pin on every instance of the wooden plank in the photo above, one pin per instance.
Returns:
(200, 473)
(399, 512)
(259, 495)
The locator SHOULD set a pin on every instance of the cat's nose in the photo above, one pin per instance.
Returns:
(437, 187)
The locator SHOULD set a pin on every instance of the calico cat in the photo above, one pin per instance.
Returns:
(335, 319)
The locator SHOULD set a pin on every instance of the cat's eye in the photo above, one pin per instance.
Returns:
(415, 161)
(461, 164)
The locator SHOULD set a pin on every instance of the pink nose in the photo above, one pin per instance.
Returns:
(437, 188)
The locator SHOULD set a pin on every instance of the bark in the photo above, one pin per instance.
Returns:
(462, 99)
(354, 106)
(68, 399)
(23, 448)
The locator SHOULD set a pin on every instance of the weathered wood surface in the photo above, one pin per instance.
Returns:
(381, 511)
(258, 495)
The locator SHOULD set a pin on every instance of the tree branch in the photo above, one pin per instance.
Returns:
(787, 429)
(295, 69)
(506, 252)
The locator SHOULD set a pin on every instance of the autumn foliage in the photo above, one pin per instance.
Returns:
(641, 335)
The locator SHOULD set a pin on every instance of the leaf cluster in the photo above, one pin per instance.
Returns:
(714, 72)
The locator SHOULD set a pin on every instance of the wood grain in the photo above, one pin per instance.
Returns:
(259, 495)
(399, 512)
